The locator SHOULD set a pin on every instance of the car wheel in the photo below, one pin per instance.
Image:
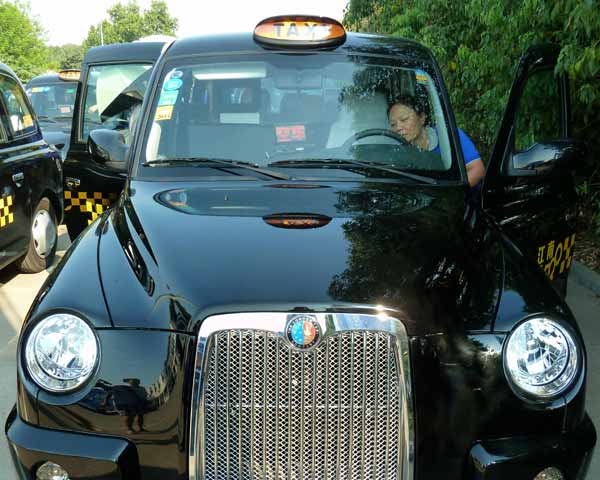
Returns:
(44, 237)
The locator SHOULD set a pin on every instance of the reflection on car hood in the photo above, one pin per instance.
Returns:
(179, 254)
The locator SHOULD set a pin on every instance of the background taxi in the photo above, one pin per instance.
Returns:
(31, 195)
(52, 96)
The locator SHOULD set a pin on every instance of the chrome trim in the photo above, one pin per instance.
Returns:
(331, 323)
(31, 148)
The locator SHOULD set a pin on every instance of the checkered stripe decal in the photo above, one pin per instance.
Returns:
(92, 204)
(7, 214)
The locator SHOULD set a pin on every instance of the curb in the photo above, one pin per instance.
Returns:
(585, 277)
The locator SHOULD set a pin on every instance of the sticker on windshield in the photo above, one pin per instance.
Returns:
(173, 84)
(176, 74)
(163, 113)
(65, 109)
(421, 77)
(27, 121)
(40, 89)
(290, 133)
(168, 97)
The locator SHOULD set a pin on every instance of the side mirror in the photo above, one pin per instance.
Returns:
(108, 148)
(59, 141)
(541, 158)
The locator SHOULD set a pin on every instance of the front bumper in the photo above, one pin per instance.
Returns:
(82, 456)
(87, 456)
(524, 458)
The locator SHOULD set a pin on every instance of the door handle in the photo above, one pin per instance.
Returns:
(18, 178)
(72, 183)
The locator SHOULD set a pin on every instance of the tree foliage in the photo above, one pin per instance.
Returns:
(21, 41)
(127, 22)
(66, 56)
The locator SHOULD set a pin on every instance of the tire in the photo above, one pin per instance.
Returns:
(43, 239)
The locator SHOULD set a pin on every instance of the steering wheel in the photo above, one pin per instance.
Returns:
(383, 132)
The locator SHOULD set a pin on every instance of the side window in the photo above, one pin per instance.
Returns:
(19, 118)
(539, 112)
(113, 95)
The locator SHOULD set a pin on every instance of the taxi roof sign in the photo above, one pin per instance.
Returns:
(300, 31)
(69, 75)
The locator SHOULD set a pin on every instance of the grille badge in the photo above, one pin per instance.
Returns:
(303, 331)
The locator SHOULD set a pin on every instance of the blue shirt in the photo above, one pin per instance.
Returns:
(470, 153)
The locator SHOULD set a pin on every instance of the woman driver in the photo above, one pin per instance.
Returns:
(408, 118)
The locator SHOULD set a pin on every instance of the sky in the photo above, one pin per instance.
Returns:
(68, 21)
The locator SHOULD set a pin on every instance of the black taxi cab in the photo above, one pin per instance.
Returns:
(287, 288)
(52, 96)
(31, 197)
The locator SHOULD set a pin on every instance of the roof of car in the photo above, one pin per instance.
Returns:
(148, 51)
(47, 78)
(359, 43)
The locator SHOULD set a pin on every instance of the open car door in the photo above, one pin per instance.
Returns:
(112, 85)
(529, 186)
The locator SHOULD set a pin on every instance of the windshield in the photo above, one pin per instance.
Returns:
(317, 115)
(53, 100)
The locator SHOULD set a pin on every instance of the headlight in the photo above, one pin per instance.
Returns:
(61, 352)
(541, 357)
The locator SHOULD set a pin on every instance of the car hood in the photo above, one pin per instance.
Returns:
(170, 257)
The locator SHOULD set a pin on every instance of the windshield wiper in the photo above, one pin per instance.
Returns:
(46, 118)
(353, 163)
(215, 162)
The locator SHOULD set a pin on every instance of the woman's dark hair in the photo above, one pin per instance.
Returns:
(408, 101)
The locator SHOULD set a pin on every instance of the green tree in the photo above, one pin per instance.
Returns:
(126, 23)
(21, 41)
(158, 21)
(580, 56)
(66, 56)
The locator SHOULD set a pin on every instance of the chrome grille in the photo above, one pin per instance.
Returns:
(269, 411)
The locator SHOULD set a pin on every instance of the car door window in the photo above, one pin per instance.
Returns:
(538, 116)
(113, 95)
(19, 116)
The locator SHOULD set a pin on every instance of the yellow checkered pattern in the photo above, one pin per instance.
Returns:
(92, 204)
(6, 216)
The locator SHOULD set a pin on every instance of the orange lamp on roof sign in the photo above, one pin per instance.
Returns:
(69, 75)
(300, 31)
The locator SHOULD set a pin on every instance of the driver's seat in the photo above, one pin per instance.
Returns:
(359, 115)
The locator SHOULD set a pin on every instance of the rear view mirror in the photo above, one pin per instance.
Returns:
(108, 148)
(542, 158)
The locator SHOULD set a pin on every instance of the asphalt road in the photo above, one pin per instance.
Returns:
(18, 291)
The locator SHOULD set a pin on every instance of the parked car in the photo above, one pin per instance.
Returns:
(52, 96)
(285, 288)
(31, 197)
(112, 84)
